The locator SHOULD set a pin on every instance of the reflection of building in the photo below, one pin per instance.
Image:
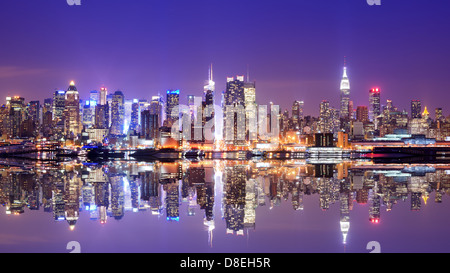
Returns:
(172, 202)
(235, 178)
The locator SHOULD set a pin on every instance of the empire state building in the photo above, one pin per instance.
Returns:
(345, 96)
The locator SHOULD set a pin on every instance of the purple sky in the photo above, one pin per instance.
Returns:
(294, 48)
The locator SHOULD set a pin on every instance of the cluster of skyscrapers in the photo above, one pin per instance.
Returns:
(237, 122)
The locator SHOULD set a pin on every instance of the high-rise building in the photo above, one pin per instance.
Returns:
(416, 109)
(208, 110)
(34, 110)
(149, 125)
(127, 106)
(102, 96)
(16, 115)
(72, 121)
(191, 105)
(297, 114)
(438, 114)
(234, 113)
(88, 116)
(117, 113)
(374, 105)
(156, 107)
(251, 110)
(101, 117)
(94, 95)
(345, 96)
(172, 104)
(362, 114)
(48, 106)
(135, 112)
(59, 103)
(325, 124)
(234, 93)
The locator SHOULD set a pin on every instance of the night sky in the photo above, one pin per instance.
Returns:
(294, 49)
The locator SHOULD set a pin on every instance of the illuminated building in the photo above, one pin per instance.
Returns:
(47, 106)
(425, 114)
(127, 110)
(325, 124)
(135, 112)
(101, 119)
(59, 98)
(102, 96)
(362, 114)
(149, 125)
(374, 105)
(416, 109)
(47, 124)
(117, 113)
(297, 114)
(94, 95)
(72, 121)
(234, 111)
(345, 96)
(16, 115)
(156, 107)
(172, 103)
(88, 117)
(250, 110)
(438, 114)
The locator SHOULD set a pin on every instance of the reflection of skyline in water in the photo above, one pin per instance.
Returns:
(238, 188)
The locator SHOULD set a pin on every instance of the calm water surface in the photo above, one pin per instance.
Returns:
(224, 206)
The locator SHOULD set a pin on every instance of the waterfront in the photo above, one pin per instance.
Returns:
(260, 206)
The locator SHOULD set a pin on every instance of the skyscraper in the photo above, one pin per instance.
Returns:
(156, 107)
(16, 115)
(297, 114)
(209, 88)
(234, 126)
(416, 109)
(72, 121)
(374, 104)
(59, 98)
(172, 103)
(345, 96)
(362, 114)
(102, 96)
(117, 113)
(325, 118)
(135, 112)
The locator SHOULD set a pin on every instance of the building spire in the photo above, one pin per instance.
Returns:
(248, 74)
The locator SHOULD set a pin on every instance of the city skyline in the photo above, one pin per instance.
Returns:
(303, 58)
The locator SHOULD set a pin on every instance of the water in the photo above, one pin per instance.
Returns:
(224, 206)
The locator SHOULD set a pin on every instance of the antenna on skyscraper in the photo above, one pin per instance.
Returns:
(211, 73)
(248, 74)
